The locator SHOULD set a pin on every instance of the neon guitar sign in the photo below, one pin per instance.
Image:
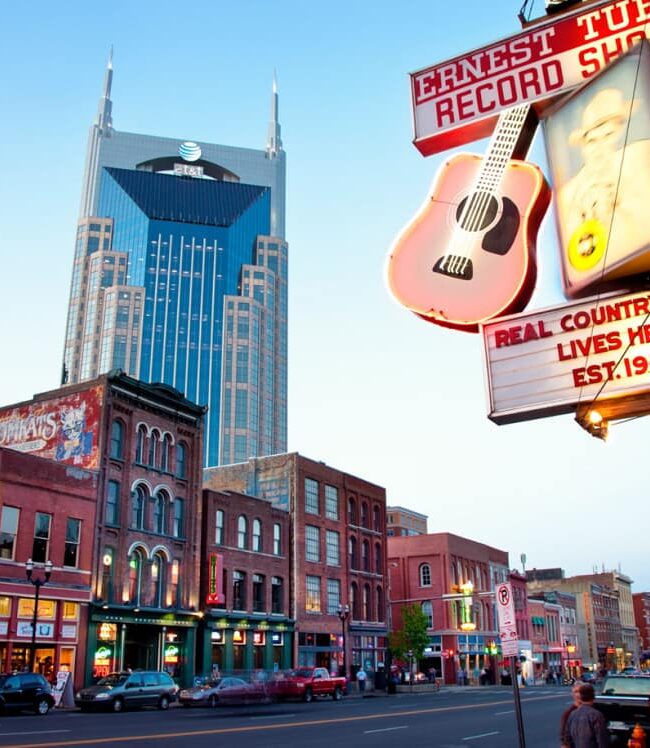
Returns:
(468, 255)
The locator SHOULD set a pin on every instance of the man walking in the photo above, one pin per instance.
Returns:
(586, 726)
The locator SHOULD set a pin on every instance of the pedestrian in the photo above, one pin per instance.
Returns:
(585, 726)
(361, 679)
(575, 693)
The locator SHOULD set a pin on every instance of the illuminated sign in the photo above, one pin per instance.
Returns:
(107, 632)
(259, 638)
(458, 100)
(215, 580)
(171, 654)
(548, 362)
(188, 170)
(189, 151)
(239, 637)
(65, 429)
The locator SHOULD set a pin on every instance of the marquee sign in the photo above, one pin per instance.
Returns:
(550, 361)
(215, 594)
(459, 100)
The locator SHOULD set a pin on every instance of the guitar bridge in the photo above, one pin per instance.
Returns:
(454, 266)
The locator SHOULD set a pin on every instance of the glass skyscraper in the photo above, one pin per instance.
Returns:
(180, 277)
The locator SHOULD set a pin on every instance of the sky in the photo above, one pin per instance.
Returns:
(373, 390)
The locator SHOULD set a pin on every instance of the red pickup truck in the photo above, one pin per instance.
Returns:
(307, 683)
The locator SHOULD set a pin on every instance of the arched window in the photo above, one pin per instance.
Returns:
(352, 511)
(164, 453)
(365, 556)
(138, 507)
(139, 443)
(354, 561)
(160, 514)
(427, 609)
(366, 603)
(117, 440)
(242, 532)
(153, 448)
(181, 460)
(178, 529)
(364, 514)
(381, 613)
(257, 535)
(354, 601)
(105, 591)
(425, 575)
(277, 539)
(158, 580)
(136, 567)
(378, 567)
(112, 508)
(376, 519)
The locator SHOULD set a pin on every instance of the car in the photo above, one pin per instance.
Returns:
(20, 691)
(214, 691)
(118, 691)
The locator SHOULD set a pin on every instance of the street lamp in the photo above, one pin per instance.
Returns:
(344, 614)
(38, 583)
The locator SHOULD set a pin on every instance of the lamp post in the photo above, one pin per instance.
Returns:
(38, 583)
(344, 613)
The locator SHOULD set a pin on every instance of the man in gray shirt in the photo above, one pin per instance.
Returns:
(586, 726)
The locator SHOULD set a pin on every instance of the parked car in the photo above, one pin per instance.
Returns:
(21, 691)
(229, 690)
(307, 683)
(118, 691)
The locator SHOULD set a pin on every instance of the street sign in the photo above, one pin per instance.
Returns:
(507, 620)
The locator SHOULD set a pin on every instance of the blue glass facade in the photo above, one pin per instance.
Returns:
(186, 240)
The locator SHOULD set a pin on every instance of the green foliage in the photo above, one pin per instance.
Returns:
(413, 634)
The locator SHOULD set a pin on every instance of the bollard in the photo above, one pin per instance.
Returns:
(637, 739)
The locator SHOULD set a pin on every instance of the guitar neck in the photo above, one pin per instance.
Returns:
(511, 138)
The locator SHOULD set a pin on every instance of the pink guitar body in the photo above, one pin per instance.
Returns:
(467, 258)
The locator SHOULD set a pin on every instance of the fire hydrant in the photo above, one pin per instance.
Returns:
(637, 739)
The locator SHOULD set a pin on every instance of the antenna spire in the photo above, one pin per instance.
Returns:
(274, 141)
(105, 109)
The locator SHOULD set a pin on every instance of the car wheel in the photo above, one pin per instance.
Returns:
(338, 694)
(42, 707)
(118, 705)
(213, 701)
(309, 695)
(163, 703)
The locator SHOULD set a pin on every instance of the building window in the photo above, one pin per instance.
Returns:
(153, 448)
(138, 504)
(366, 603)
(117, 440)
(136, 565)
(257, 535)
(352, 511)
(354, 602)
(376, 519)
(378, 567)
(41, 545)
(218, 527)
(164, 453)
(179, 519)
(160, 514)
(425, 575)
(311, 496)
(5, 606)
(352, 552)
(333, 548)
(364, 514)
(139, 444)
(238, 590)
(312, 543)
(242, 532)
(8, 530)
(276, 595)
(158, 580)
(112, 509)
(365, 555)
(181, 460)
(72, 535)
(105, 591)
(258, 593)
(331, 502)
(381, 612)
(312, 597)
(70, 611)
(333, 596)
(277, 539)
(427, 609)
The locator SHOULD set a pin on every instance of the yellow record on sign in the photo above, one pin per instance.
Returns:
(587, 245)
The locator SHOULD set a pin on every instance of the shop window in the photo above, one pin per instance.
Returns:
(46, 608)
(66, 659)
(70, 611)
(117, 440)
(41, 545)
(9, 516)
(5, 606)
(72, 537)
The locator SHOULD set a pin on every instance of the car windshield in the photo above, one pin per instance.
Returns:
(302, 673)
(627, 686)
(115, 679)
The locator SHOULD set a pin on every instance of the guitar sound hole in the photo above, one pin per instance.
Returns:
(477, 211)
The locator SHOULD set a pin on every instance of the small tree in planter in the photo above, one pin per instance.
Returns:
(408, 643)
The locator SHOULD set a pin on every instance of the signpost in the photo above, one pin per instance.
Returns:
(510, 646)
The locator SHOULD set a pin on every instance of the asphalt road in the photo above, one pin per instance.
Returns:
(481, 717)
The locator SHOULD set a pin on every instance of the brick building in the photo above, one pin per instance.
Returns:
(423, 569)
(548, 648)
(337, 555)
(47, 514)
(401, 521)
(245, 584)
(641, 601)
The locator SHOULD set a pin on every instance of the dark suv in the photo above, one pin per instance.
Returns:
(130, 689)
(25, 691)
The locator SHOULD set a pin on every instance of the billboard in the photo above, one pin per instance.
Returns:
(602, 177)
(551, 361)
(459, 100)
(65, 429)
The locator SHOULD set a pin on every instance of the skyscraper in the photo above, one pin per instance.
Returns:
(180, 277)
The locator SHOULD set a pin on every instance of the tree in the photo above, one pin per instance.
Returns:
(412, 636)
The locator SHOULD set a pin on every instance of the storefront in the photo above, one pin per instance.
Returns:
(123, 640)
(368, 650)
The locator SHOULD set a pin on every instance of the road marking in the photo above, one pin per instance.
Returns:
(33, 732)
(95, 741)
(273, 716)
(482, 735)
(386, 729)
(510, 711)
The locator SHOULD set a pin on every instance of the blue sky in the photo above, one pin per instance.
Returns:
(372, 390)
